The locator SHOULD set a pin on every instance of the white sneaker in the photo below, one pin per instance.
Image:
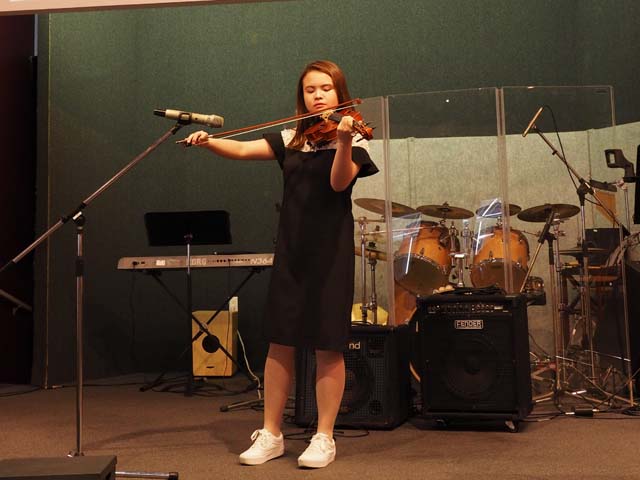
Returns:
(320, 452)
(266, 446)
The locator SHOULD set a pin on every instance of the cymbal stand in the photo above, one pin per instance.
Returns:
(365, 306)
(585, 280)
(585, 298)
(558, 302)
(373, 302)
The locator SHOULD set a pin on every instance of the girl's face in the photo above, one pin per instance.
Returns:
(319, 92)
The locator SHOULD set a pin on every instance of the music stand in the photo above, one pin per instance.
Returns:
(170, 229)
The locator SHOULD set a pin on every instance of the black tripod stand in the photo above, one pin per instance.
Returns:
(211, 227)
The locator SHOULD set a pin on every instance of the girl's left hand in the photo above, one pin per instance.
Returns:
(345, 129)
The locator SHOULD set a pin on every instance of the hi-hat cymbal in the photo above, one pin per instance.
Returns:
(577, 251)
(372, 253)
(377, 205)
(495, 210)
(445, 211)
(368, 220)
(541, 212)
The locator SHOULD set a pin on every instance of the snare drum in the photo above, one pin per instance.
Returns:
(488, 262)
(422, 263)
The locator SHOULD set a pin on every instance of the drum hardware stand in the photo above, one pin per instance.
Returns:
(77, 216)
(582, 190)
(373, 303)
(458, 258)
(466, 250)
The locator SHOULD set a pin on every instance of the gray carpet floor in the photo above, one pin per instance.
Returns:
(162, 430)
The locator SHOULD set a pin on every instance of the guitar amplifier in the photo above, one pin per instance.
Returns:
(475, 357)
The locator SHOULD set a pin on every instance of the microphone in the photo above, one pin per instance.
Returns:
(532, 122)
(609, 187)
(187, 118)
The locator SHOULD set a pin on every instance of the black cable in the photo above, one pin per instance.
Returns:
(20, 390)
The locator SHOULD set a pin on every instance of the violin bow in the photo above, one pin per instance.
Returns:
(275, 123)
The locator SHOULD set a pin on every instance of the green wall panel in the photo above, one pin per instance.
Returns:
(105, 72)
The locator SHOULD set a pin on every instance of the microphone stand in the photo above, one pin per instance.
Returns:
(585, 297)
(77, 216)
(549, 237)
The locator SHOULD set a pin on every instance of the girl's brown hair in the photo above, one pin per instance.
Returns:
(340, 85)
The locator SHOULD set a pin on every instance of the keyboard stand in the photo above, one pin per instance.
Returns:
(203, 330)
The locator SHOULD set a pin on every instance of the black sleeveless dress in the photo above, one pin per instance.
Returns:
(312, 281)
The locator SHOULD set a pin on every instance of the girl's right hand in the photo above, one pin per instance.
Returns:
(198, 138)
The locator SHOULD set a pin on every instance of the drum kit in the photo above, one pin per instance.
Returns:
(434, 255)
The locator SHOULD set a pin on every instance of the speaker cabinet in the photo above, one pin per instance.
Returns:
(475, 357)
(225, 327)
(377, 383)
(610, 332)
(70, 468)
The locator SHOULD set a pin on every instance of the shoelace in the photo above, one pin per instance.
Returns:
(263, 440)
(320, 443)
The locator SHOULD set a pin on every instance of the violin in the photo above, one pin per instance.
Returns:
(326, 130)
(330, 124)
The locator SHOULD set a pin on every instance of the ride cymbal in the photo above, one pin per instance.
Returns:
(541, 212)
(495, 210)
(377, 205)
(445, 211)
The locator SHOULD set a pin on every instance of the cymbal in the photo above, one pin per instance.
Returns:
(372, 253)
(444, 211)
(495, 210)
(541, 212)
(377, 205)
(577, 251)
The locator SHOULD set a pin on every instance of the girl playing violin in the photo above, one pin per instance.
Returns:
(311, 289)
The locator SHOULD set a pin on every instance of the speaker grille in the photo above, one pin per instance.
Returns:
(475, 356)
(376, 382)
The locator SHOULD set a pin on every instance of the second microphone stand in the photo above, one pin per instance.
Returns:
(582, 190)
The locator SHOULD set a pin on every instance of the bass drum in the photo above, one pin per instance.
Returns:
(405, 305)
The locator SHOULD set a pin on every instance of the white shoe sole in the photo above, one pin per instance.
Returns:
(260, 461)
(315, 463)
